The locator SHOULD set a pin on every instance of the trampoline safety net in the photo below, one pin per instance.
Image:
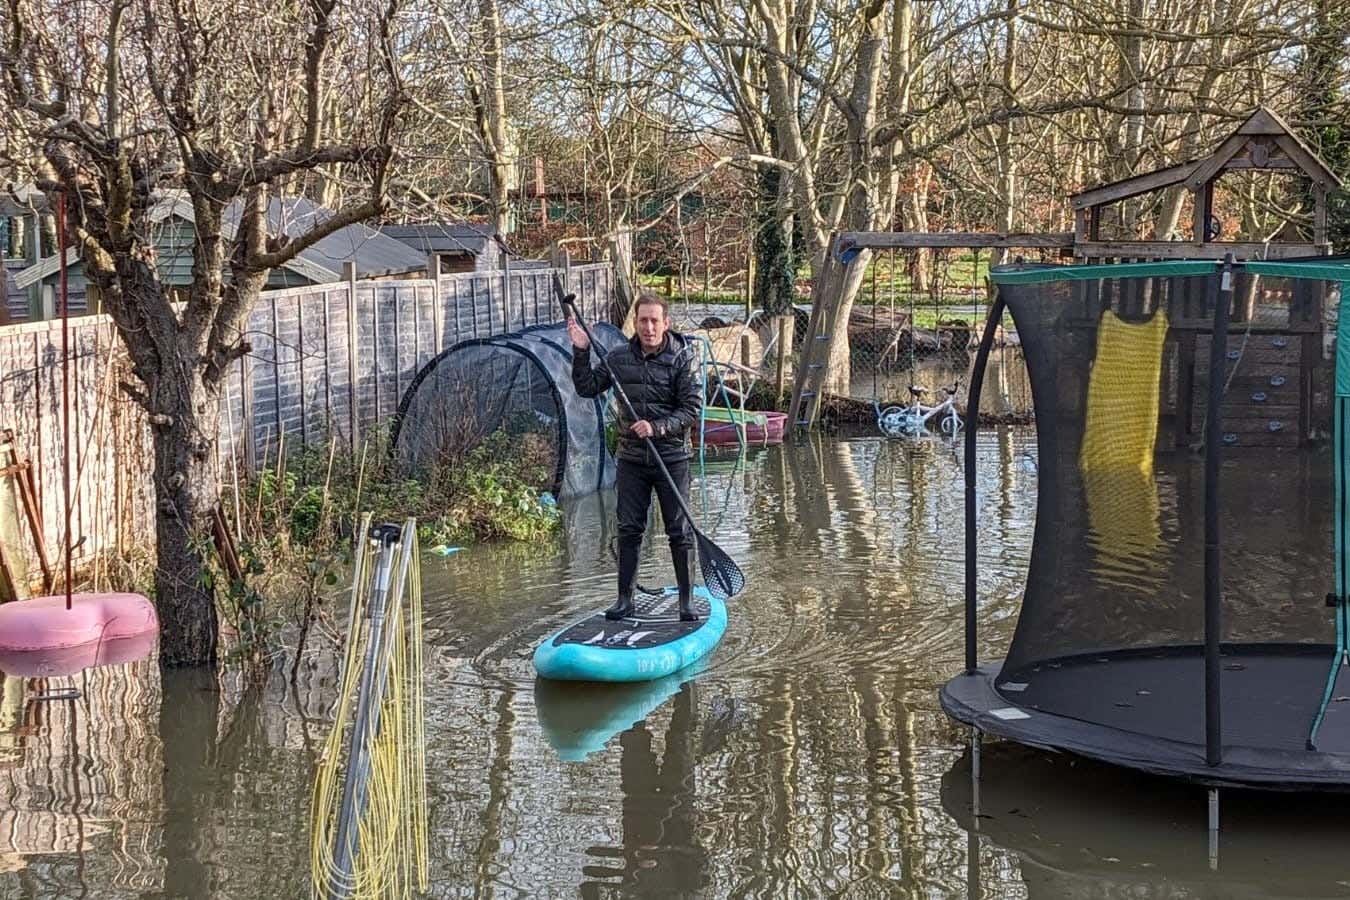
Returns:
(518, 386)
(1113, 618)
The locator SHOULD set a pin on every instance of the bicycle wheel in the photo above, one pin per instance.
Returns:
(951, 423)
(891, 421)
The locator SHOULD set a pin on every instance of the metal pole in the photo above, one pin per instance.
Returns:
(972, 429)
(353, 787)
(65, 386)
(1214, 829)
(1218, 348)
(974, 887)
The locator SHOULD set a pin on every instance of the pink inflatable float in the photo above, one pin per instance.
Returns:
(41, 637)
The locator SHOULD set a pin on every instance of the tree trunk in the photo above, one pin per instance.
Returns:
(775, 274)
(1007, 165)
(905, 78)
(620, 250)
(861, 210)
(500, 153)
(844, 282)
(1131, 77)
(914, 217)
(186, 495)
(1322, 98)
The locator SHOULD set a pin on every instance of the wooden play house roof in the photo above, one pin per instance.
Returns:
(1264, 142)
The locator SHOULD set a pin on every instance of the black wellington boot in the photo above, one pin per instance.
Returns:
(628, 565)
(684, 565)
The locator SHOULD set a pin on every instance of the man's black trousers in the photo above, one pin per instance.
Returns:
(634, 483)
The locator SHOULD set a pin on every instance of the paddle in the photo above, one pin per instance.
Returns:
(722, 576)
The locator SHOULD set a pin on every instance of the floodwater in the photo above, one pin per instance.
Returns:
(808, 758)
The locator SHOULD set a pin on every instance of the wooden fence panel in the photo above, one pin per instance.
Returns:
(338, 364)
(286, 368)
(298, 380)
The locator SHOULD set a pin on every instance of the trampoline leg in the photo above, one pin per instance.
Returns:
(973, 888)
(1214, 829)
(974, 891)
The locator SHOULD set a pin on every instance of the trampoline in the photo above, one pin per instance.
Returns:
(1185, 611)
(518, 385)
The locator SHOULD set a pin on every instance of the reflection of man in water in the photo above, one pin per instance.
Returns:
(662, 857)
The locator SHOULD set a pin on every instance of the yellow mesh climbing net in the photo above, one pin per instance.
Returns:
(1116, 457)
(369, 808)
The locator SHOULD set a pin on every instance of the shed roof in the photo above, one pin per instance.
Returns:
(374, 253)
(466, 238)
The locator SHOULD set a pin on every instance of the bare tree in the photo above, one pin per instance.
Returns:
(138, 103)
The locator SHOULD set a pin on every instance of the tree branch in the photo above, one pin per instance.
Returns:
(316, 43)
(285, 251)
(299, 159)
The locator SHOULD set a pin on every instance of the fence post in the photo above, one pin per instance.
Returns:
(506, 291)
(246, 413)
(353, 423)
(438, 314)
(749, 281)
(327, 368)
(300, 366)
(785, 326)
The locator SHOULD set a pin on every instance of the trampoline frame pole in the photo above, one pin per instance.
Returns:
(1218, 352)
(972, 429)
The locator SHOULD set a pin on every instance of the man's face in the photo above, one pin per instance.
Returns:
(651, 326)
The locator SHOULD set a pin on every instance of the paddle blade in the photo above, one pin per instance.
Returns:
(721, 575)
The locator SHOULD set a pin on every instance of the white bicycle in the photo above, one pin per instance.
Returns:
(912, 420)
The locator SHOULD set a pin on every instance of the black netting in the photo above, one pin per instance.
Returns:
(1119, 372)
(515, 390)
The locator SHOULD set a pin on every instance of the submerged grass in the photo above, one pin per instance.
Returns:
(293, 523)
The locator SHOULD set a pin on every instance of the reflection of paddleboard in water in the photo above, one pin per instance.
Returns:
(579, 719)
(650, 645)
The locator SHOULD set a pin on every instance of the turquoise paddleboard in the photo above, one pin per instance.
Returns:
(652, 644)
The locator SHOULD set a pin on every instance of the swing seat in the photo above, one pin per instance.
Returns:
(40, 636)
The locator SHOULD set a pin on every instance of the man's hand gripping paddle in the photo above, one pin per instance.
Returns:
(721, 575)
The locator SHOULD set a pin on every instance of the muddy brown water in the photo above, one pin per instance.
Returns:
(807, 758)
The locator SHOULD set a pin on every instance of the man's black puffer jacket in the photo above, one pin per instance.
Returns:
(661, 388)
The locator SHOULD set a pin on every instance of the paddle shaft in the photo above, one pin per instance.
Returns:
(568, 304)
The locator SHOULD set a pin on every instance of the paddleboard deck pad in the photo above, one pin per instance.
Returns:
(652, 644)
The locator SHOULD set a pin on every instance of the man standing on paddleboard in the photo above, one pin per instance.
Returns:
(655, 370)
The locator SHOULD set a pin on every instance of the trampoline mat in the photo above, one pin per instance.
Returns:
(1270, 694)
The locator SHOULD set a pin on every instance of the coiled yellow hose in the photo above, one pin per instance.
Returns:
(391, 824)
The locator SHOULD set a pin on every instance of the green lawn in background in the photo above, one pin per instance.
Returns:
(886, 281)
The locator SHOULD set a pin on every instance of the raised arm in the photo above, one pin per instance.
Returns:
(589, 382)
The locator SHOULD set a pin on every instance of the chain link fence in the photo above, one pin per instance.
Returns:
(916, 321)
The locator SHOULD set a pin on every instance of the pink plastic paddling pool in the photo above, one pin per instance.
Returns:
(770, 432)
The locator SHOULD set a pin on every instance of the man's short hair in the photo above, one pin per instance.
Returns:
(647, 298)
